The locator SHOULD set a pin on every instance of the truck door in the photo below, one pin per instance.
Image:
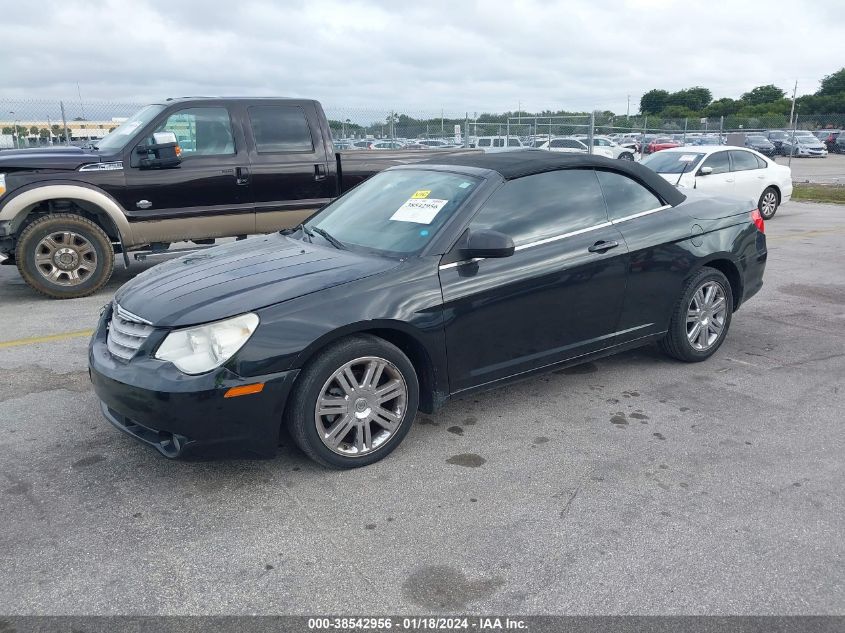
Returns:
(207, 195)
(291, 173)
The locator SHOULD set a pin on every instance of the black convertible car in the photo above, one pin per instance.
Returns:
(425, 282)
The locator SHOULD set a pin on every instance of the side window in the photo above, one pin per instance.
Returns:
(544, 205)
(761, 163)
(512, 142)
(484, 142)
(201, 131)
(556, 142)
(498, 142)
(743, 161)
(625, 196)
(719, 162)
(280, 129)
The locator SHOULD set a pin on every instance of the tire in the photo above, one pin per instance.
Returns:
(676, 343)
(768, 203)
(356, 404)
(64, 256)
(626, 156)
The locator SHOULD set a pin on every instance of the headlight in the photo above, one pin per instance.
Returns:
(2, 184)
(199, 349)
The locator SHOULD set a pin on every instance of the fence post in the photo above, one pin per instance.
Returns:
(508, 130)
(721, 126)
(686, 122)
(642, 140)
(592, 131)
(466, 130)
(64, 122)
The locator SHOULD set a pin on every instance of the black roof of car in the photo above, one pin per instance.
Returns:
(520, 163)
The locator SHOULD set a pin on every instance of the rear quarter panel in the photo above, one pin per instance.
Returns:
(667, 247)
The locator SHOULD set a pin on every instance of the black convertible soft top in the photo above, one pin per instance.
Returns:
(519, 163)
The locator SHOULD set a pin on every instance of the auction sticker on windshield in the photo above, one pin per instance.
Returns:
(420, 211)
(687, 158)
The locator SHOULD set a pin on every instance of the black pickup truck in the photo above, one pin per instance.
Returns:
(190, 169)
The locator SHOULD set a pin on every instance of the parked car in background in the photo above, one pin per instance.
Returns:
(760, 143)
(254, 166)
(363, 144)
(608, 147)
(829, 137)
(570, 144)
(704, 140)
(388, 145)
(777, 137)
(839, 145)
(661, 143)
(425, 283)
(729, 171)
(803, 144)
(496, 143)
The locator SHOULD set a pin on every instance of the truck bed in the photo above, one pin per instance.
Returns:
(355, 166)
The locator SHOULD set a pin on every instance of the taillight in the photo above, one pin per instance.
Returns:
(758, 220)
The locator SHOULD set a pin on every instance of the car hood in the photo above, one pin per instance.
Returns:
(70, 158)
(240, 277)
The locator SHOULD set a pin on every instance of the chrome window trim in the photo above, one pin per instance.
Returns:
(641, 214)
(565, 235)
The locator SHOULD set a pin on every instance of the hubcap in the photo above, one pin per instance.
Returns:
(770, 201)
(706, 316)
(65, 258)
(361, 406)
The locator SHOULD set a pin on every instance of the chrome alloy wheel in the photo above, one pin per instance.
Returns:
(65, 258)
(769, 204)
(706, 315)
(361, 406)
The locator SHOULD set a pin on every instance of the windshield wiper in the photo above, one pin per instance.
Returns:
(325, 235)
(299, 227)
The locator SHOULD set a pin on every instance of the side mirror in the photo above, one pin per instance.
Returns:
(705, 171)
(488, 244)
(162, 154)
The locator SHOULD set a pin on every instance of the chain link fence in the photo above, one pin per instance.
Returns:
(36, 123)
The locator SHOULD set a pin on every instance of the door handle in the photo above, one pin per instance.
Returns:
(602, 246)
(242, 175)
(320, 172)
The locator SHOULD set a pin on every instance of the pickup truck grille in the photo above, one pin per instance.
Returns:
(127, 333)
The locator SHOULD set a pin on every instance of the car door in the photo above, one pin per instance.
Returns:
(557, 297)
(720, 181)
(749, 175)
(656, 263)
(291, 175)
(204, 185)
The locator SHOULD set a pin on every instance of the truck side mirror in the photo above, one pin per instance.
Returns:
(163, 153)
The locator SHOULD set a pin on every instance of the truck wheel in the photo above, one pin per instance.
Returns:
(64, 256)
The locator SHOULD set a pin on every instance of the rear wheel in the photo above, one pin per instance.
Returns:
(64, 256)
(354, 403)
(626, 156)
(701, 317)
(768, 203)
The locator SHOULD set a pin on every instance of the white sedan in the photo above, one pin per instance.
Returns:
(570, 144)
(724, 170)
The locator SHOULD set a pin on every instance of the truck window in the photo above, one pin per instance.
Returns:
(280, 129)
(201, 131)
(484, 142)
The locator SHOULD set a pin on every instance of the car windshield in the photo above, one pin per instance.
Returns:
(395, 212)
(758, 139)
(673, 162)
(118, 138)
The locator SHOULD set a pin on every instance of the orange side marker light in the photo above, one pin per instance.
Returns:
(244, 390)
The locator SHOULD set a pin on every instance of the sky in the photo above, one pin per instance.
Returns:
(415, 57)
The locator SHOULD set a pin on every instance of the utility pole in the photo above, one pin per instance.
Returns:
(792, 111)
(628, 109)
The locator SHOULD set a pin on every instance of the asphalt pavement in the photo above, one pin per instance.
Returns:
(631, 485)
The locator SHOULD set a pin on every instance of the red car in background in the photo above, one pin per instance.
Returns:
(661, 143)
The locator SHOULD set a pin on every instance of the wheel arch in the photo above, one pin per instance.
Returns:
(729, 269)
(407, 338)
(97, 205)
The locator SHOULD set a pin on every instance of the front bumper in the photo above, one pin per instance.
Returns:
(184, 416)
(803, 151)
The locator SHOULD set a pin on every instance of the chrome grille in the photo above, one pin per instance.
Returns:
(127, 333)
